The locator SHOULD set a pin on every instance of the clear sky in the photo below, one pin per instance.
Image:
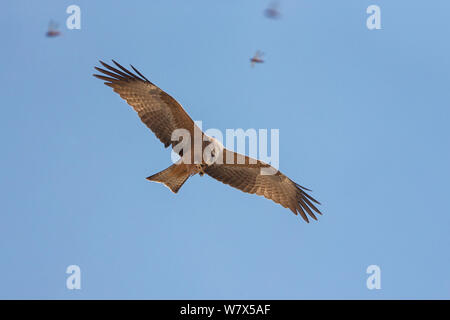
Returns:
(363, 118)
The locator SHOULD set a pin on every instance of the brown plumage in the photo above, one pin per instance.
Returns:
(257, 58)
(52, 30)
(162, 114)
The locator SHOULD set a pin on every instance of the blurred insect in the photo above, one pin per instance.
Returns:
(52, 30)
(273, 11)
(257, 58)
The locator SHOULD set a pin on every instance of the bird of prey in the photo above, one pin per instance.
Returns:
(273, 11)
(162, 114)
(52, 30)
(257, 58)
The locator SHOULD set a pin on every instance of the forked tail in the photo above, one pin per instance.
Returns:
(173, 177)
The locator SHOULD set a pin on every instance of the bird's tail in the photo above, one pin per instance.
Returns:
(173, 177)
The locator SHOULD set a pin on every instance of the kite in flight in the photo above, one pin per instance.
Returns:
(52, 30)
(273, 11)
(257, 58)
(163, 115)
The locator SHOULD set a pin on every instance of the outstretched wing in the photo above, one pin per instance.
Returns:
(159, 111)
(247, 177)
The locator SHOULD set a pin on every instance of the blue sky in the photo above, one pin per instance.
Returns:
(363, 119)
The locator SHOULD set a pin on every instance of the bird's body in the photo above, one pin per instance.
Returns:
(273, 11)
(52, 33)
(257, 58)
(167, 119)
(52, 30)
